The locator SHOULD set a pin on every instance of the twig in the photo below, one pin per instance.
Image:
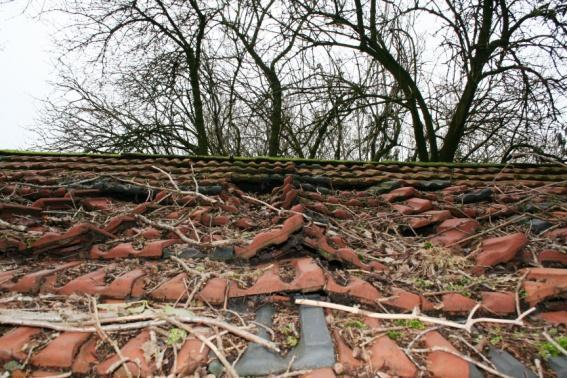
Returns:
(416, 315)
(461, 339)
(279, 211)
(554, 343)
(104, 336)
(63, 375)
(517, 292)
(15, 227)
(183, 237)
(511, 221)
(188, 192)
(537, 363)
(140, 321)
(194, 178)
(186, 267)
(229, 369)
(293, 374)
(466, 358)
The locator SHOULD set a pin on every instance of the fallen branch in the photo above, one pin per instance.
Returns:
(183, 237)
(279, 211)
(554, 343)
(511, 221)
(104, 336)
(466, 358)
(222, 358)
(415, 315)
(186, 192)
(149, 319)
(10, 226)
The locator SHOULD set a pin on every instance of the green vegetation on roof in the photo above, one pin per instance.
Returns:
(258, 159)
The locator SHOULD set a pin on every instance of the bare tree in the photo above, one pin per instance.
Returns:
(480, 80)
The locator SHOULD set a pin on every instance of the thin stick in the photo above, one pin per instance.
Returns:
(554, 343)
(229, 369)
(416, 315)
(15, 227)
(189, 192)
(183, 237)
(61, 326)
(537, 363)
(104, 336)
(511, 221)
(466, 358)
(279, 211)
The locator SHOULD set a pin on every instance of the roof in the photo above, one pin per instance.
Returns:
(151, 265)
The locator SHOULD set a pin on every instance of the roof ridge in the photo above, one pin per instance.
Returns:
(132, 155)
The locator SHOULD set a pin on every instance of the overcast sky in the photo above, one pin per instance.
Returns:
(25, 69)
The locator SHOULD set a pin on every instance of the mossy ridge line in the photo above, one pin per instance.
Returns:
(260, 159)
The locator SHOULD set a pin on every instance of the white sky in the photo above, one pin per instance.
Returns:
(25, 70)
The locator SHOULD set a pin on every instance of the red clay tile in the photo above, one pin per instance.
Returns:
(133, 350)
(558, 233)
(342, 214)
(102, 204)
(498, 250)
(419, 205)
(543, 283)
(405, 300)
(60, 352)
(442, 364)
(11, 343)
(322, 245)
(56, 203)
(11, 244)
(338, 241)
(387, 356)
(30, 282)
(345, 355)
(289, 199)
(356, 288)
(81, 193)
(555, 317)
(150, 233)
(86, 357)
(318, 207)
(554, 256)
(86, 284)
(214, 291)
(8, 210)
(309, 277)
(171, 289)
(273, 237)
(151, 249)
(82, 234)
(399, 194)
(429, 217)
(320, 373)
(499, 303)
(122, 285)
(353, 202)
(119, 223)
(452, 231)
(192, 354)
(229, 208)
(561, 215)
(245, 223)
(457, 303)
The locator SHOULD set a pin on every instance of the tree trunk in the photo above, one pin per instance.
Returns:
(202, 140)
(275, 116)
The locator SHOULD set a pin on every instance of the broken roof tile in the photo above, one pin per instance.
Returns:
(389, 238)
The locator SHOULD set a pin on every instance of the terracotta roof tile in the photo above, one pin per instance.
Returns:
(442, 240)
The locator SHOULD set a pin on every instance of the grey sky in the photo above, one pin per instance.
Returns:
(24, 73)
